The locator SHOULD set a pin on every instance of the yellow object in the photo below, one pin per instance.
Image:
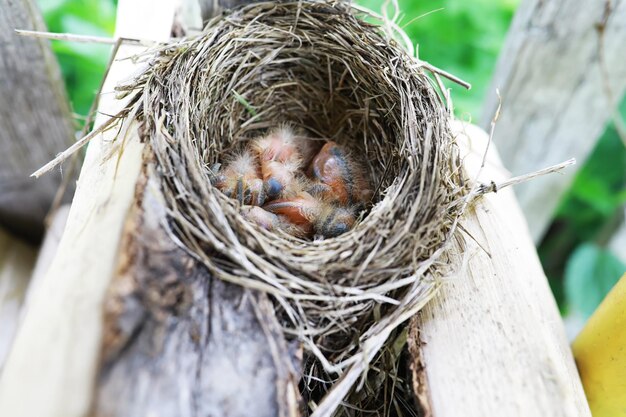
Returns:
(600, 352)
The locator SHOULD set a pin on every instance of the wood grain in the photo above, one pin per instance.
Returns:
(21, 268)
(48, 248)
(561, 73)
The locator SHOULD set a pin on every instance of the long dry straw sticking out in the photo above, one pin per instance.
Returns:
(394, 30)
(495, 187)
(72, 37)
(79, 144)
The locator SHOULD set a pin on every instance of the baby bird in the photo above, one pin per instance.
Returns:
(270, 221)
(338, 178)
(241, 180)
(313, 216)
(301, 210)
(334, 221)
(281, 155)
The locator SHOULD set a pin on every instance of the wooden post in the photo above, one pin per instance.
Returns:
(35, 121)
(561, 73)
(124, 323)
(492, 342)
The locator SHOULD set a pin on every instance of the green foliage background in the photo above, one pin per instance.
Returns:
(464, 38)
(82, 64)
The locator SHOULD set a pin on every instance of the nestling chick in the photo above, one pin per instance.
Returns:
(281, 155)
(270, 221)
(334, 221)
(313, 215)
(338, 178)
(241, 180)
(301, 210)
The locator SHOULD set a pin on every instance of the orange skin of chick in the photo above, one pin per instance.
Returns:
(300, 210)
(270, 221)
(312, 215)
(338, 177)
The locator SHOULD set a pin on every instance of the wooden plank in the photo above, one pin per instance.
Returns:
(492, 342)
(20, 266)
(16, 263)
(35, 120)
(560, 73)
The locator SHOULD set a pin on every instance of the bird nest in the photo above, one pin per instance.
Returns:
(323, 69)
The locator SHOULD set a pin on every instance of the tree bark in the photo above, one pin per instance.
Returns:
(561, 74)
(35, 121)
(178, 342)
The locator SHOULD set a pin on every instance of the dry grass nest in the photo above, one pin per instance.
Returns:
(321, 68)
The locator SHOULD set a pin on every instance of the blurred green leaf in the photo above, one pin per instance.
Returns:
(463, 38)
(82, 64)
(590, 274)
(598, 188)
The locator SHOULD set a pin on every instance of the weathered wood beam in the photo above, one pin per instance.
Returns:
(71, 294)
(492, 342)
(35, 120)
(50, 244)
(21, 266)
(561, 73)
